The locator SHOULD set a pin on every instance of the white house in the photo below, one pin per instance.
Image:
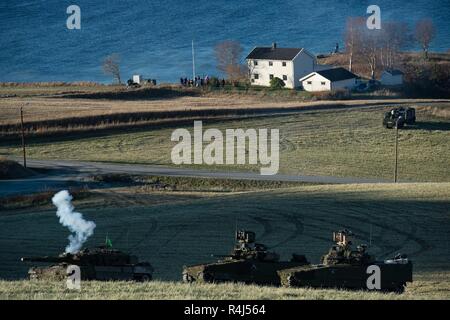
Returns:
(288, 64)
(391, 77)
(328, 80)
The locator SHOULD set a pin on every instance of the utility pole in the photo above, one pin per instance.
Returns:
(23, 138)
(396, 152)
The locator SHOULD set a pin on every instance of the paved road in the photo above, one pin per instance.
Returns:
(63, 173)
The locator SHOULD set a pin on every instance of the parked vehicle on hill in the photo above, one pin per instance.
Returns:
(399, 117)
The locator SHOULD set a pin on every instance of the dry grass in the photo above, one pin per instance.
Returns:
(51, 106)
(427, 286)
(36, 199)
(44, 109)
(443, 113)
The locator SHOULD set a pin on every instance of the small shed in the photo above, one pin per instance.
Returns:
(328, 80)
(391, 77)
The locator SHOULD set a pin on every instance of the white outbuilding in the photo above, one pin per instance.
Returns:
(329, 80)
(392, 77)
(137, 78)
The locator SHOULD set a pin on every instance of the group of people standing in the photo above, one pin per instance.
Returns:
(196, 82)
(199, 81)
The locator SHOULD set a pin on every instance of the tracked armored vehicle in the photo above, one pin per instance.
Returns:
(249, 262)
(399, 117)
(99, 263)
(343, 267)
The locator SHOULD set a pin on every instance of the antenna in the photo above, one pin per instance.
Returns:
(193, 61)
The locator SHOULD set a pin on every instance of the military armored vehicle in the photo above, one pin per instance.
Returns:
(99, 263)
(399, 117)
(249, 262)
(343, 267)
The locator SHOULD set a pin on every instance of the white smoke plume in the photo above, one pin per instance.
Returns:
(73, 220)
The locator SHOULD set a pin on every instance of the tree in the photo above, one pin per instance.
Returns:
(228, 55)
(370, 49)
(277, 83)
(111, 67)
(425, 33)
(353, 38)
(377, 48)
(394, 37)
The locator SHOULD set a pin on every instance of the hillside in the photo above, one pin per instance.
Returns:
(171, 229)
(348, 142)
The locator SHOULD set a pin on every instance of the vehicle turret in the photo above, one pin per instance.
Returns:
(345, 267)
(342, 252)
(248, 262)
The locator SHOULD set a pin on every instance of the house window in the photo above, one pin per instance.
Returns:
(323, 83)
(309, 82)
(256, 76)
(284, 63)
(255, 62)
(271, 76)
(270, 63)
(284, 77)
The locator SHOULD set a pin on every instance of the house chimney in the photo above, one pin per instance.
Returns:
(274, 45)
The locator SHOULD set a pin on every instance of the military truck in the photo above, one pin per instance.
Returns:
(101, 263)
(343, 267)
(399, 117)
(249, 262)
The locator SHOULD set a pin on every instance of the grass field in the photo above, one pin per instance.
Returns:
(349, 142)
(425, 286)
(172, 229)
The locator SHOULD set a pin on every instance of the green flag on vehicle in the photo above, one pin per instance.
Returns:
(108, 242)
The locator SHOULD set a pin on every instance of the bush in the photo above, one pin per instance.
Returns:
(277, 83)
(427, 80)
(341, 94)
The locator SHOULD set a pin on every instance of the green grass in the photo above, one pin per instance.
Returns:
(348, 143)
(426, 286)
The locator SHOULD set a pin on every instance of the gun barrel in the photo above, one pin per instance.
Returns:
(40, 259)
(221, 255)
